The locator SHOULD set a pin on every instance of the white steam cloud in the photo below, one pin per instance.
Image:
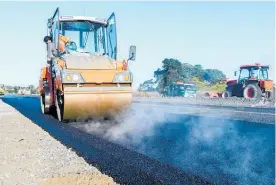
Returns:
(208, 147)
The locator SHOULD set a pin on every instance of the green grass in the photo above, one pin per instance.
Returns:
(202, 86)
(216, 88)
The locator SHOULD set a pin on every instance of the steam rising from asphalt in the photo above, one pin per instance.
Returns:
(129, 127)
(213, 149)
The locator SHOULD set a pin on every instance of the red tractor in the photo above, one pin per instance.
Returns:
(253, 82)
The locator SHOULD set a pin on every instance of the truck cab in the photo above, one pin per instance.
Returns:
(190, 90)
(176, 89)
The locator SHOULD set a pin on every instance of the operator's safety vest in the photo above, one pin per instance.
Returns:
(121, 65)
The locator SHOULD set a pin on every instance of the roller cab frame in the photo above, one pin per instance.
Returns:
(85, 79)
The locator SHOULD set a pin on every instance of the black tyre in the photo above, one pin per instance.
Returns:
(59, 107)
(44, 109)
(252, 91)
(226, 94)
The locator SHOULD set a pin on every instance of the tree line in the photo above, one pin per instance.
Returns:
(15, 89)
(173, 70)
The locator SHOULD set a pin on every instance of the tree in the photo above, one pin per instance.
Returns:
(173, 70)
(16, 89)
(32, 89)
(213, 75)
(188, 72)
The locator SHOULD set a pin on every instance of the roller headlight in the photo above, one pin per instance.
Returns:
(75, 77)
(68, 78)
(71, 77)
(123, 77)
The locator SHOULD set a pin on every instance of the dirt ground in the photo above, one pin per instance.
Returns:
(78, 179)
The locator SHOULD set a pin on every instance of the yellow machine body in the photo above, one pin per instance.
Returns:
(89, 81)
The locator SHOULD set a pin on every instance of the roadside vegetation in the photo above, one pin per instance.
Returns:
(14, 89)
(218, 86)
(173, 70)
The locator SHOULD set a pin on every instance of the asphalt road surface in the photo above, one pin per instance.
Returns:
(182, 143)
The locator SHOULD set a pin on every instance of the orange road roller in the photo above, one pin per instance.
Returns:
(83, 77)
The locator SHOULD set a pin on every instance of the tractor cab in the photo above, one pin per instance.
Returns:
(253, 82)
(253, 72)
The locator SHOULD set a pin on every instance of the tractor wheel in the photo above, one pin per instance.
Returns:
(226, 94)
(252, 91)
(207, 95)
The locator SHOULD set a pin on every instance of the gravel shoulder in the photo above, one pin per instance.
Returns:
(202, 100)
(30, 156)
(232, 102)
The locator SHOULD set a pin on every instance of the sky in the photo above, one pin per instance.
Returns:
(220, 35)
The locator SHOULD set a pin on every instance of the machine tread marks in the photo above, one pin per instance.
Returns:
(252, 91)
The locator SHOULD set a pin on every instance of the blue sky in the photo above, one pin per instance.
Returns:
(220, 35)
